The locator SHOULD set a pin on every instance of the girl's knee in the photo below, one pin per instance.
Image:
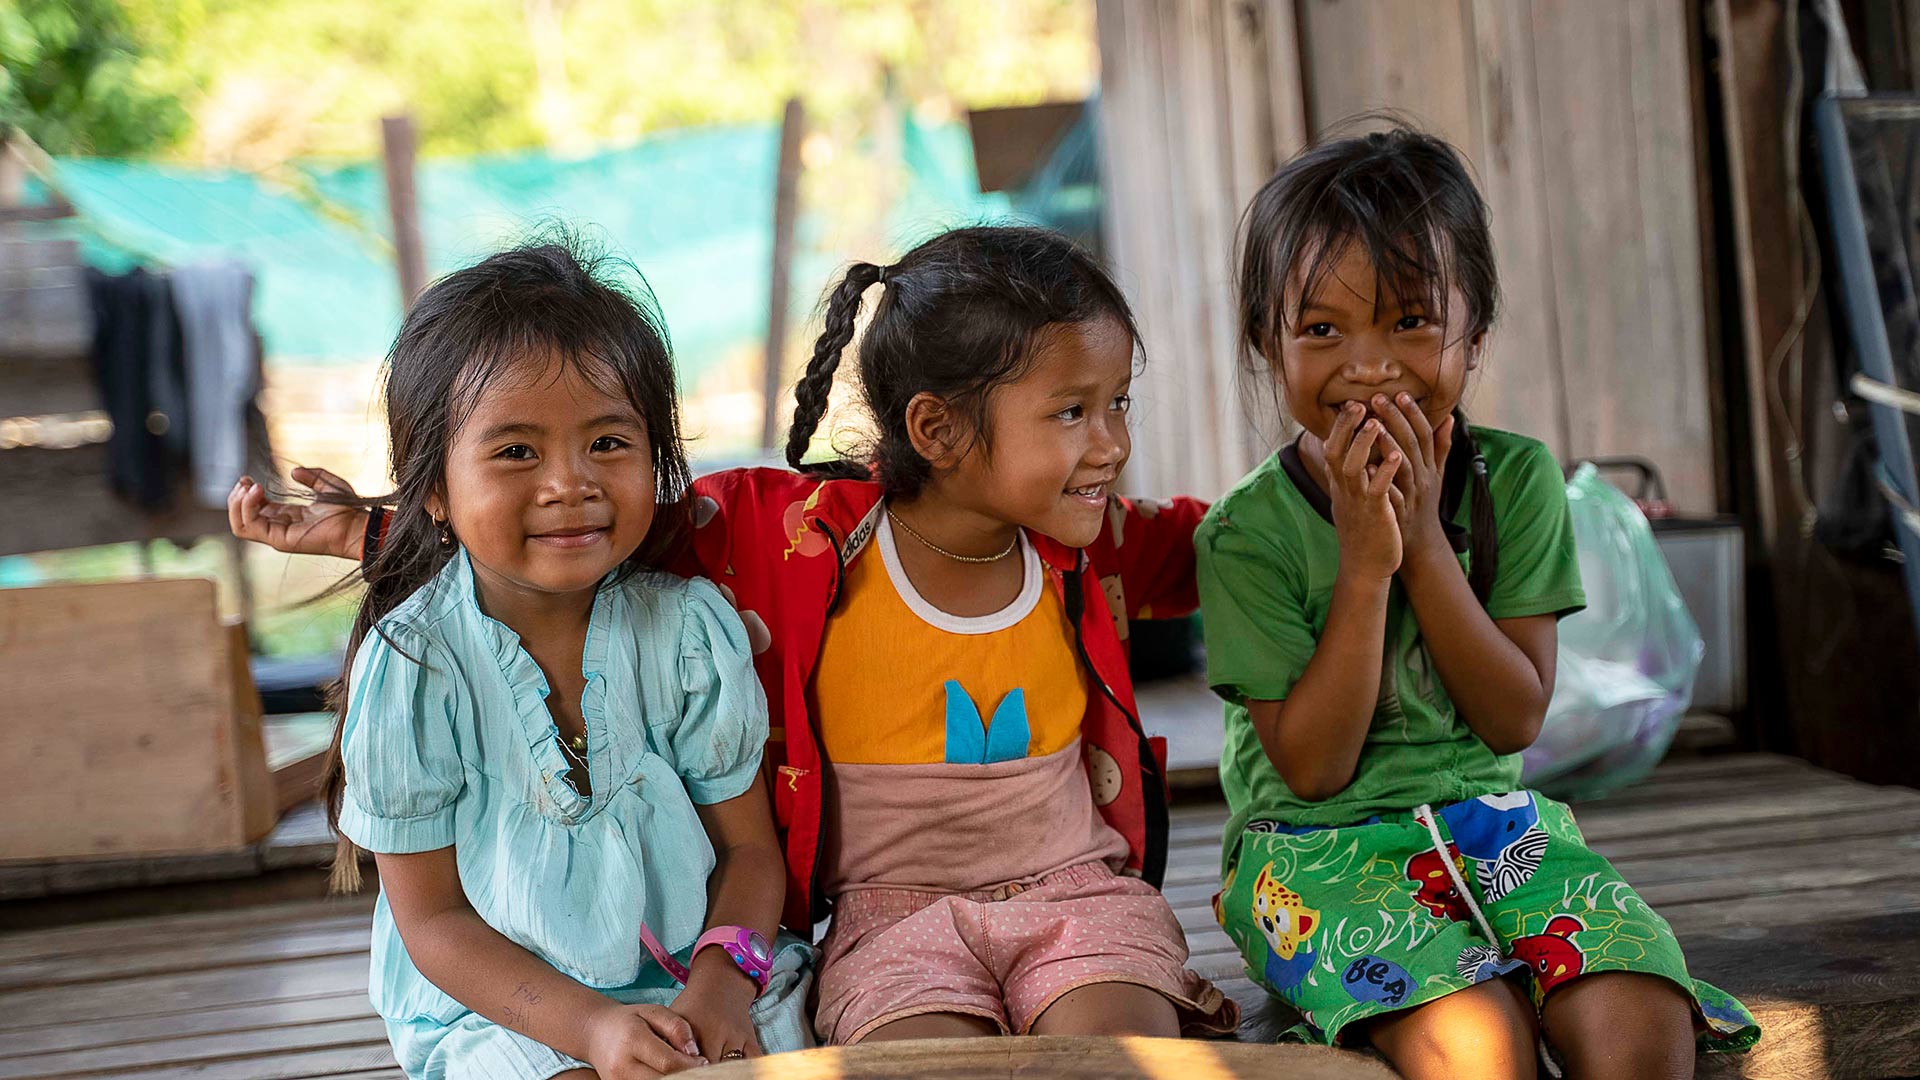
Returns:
(933, 1025)
(1599, 1003)
(1114, 1008)
(1486, 1030)
(1624, 1024)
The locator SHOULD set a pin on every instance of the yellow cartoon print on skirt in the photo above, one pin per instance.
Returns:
(1350, 922)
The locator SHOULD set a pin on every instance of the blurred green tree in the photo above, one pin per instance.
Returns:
(76, 79)
(265, 81)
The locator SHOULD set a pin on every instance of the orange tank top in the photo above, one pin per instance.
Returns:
(943, 729)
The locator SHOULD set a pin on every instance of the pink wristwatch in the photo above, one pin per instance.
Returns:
(748, 948)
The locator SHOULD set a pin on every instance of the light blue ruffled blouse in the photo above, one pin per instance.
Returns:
(448, 742)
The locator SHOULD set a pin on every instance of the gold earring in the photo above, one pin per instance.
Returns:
(446, 534)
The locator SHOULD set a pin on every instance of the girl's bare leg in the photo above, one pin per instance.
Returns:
(1114, 1008)
(1487, 1031)
(1621, 1024)
(935, 1025)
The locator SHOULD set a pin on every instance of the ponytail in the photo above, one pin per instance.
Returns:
(1485, 552)
(810, 394)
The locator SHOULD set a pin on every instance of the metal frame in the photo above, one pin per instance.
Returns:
(1889, 403)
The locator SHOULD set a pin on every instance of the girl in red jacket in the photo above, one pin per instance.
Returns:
(939, 622)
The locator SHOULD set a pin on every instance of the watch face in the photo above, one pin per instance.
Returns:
(758, 948)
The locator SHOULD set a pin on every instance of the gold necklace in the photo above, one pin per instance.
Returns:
(937, 549)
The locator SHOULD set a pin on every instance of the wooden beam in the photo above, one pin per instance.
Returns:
(1281, 23)
(1186, 138)
(397, 142)
(13, 172)
(1752, 39)
(17, 159)
(49, 212)
(786, 199)
(34, 479)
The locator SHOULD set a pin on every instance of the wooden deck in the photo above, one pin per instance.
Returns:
(1796, 889)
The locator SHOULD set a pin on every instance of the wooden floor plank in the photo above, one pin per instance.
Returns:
(1193, 872)
(1709, 765)
(1746, 802)
(1807, 909)
(349, 938)
(1628, 821)
(121, 1030)
(1839, 1004)
(355, 1033)
(1848, 961)
(1214, 957)
(1794, 888)
(1784, 868)
(1731, 768)
(122, 933)
(329, 1062)
(1799, 823)
(1763, 835)
(163, 995)
(210, 936)
(1685, 795)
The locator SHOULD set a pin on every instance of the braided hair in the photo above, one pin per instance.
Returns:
(1406, 198)
(959, 316)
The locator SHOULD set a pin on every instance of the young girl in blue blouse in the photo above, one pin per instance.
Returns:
(548, 746)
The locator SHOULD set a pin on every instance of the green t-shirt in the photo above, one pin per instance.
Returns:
(1268, 556)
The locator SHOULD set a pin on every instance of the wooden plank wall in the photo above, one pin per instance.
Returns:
(1579, 121)
(1191, 125)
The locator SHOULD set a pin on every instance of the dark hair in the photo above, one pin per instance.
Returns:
(1407, 199)
(960, 316)
(547, 299)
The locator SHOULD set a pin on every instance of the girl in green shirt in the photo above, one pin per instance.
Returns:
(1381, 600)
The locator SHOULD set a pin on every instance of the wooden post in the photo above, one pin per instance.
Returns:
(785, 207)
(13, 171)
(396, 136)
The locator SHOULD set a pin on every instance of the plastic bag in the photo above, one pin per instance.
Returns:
(1626, 664)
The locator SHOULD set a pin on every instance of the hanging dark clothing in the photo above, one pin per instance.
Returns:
(136, 362)
(167, 366)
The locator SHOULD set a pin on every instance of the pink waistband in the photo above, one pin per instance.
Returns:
(873, 899)
(921, 827)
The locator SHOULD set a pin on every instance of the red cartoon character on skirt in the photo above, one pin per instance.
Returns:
(1436, 890)
(1552, 955)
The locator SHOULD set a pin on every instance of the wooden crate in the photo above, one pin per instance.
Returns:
(128, 724)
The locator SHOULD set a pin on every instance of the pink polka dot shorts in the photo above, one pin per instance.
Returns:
(1005, 955)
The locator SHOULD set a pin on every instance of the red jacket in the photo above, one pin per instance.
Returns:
(777, 543)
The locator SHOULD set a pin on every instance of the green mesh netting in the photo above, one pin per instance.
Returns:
(692, 209)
